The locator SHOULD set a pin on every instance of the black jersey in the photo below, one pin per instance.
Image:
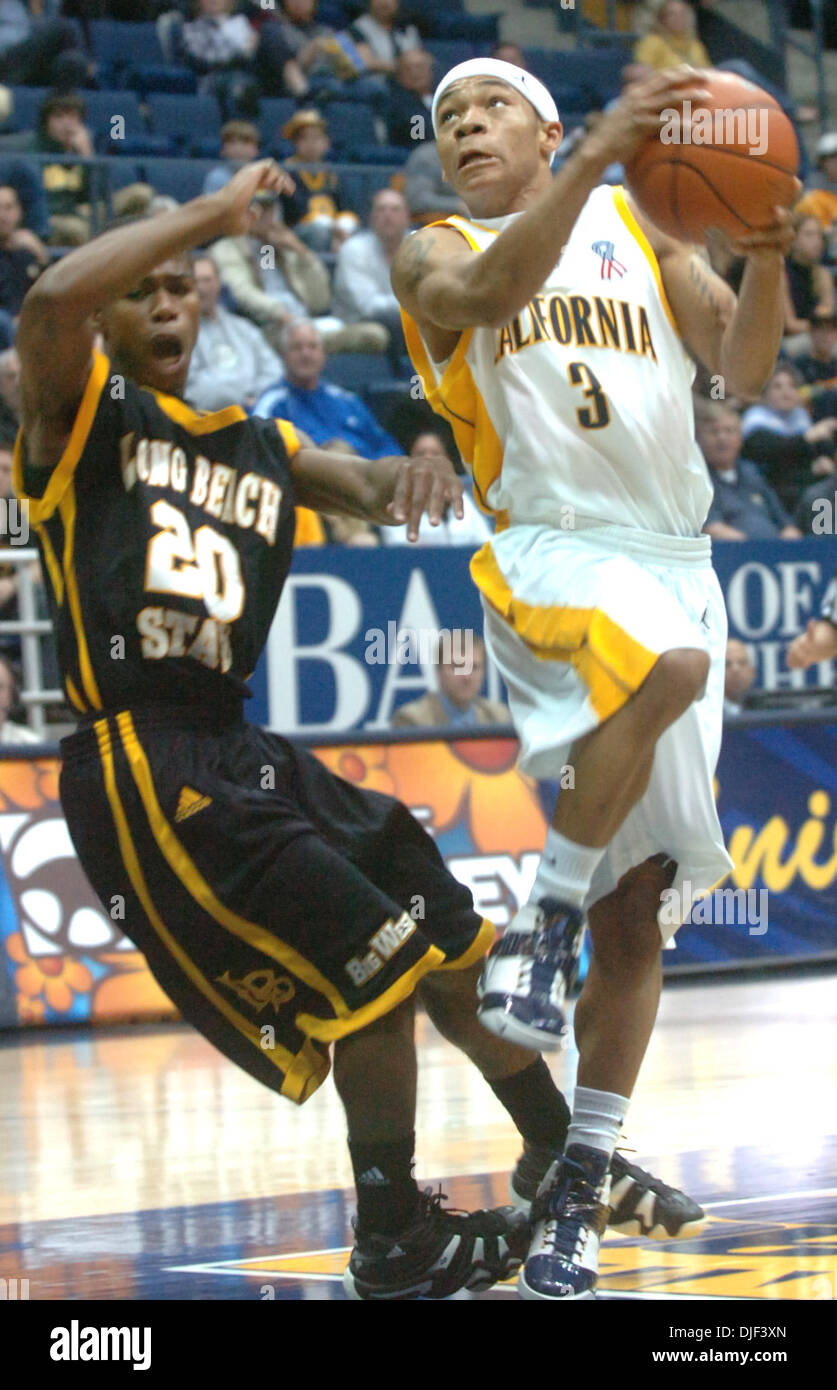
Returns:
(166, 535)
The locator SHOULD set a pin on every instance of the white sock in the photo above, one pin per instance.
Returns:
(564, 872)
(597, 1119)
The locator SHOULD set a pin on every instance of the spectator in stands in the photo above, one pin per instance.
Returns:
(817, 369)
(809, 286)
(221, 47)
(380, 38)
(510, 53)
(332, 417)
(9, 392)
(313, 57)
(781, 438)
(24, 176)
(362, 284)
(428, 195)
(62, 131)
(672, 39)
(40, 50)
(472, 530)
(10, 731)
(275, 278)
(407, 112)
(232, 362)
(22, 258)
(316, 210)
(744, 506)
(820, 197)
(739, 676)
(239, 145)
(456, 703)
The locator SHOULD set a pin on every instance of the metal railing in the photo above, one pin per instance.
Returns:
(30, 628)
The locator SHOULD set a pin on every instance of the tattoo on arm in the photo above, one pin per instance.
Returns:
(706, 291)
(411, 260)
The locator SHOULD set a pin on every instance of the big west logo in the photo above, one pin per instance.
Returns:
(573, 320)
(382, 947)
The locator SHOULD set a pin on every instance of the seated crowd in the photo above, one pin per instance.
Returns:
(299, 319)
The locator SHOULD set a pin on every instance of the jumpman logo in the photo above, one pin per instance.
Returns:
(605, 249)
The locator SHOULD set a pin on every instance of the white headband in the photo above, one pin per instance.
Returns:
(528, 86)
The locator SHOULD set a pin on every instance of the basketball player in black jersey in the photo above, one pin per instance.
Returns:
(261, 889)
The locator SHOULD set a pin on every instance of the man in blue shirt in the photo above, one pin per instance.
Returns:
(332, 417)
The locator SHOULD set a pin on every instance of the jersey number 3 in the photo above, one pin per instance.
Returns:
(596, 416)
(204, 566)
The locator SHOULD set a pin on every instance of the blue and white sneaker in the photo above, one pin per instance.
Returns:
(528, 975)
(570, 1213)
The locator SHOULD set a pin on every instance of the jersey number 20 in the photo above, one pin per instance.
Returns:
(204, 566)
(595, 416)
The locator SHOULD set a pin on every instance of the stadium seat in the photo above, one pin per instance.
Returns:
(149, 77)
(103, 107)
(273, 113)
(177, 178)
(116, 45)
(448, 52)
(351, 127)
(188, 120)
(121, 172)
(26, 103)
(356, 371)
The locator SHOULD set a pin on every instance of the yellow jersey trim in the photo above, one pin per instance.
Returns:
(195, 421)
(41, 508)
(612, 664)
(298, 1070)
(621, 205)
(479, 947)
(67, 511)
(187, 871)
(290, 438)
(74, 697)
(328, 1030)
(53, 567)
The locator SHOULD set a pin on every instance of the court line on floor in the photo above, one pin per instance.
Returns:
(773, 1197)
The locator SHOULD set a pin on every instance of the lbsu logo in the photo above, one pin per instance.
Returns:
(606, 249)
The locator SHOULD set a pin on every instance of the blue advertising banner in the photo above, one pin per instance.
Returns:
(338, 658)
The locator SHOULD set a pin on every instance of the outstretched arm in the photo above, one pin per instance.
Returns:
(737, 339)
(387, 491)
(55, 334)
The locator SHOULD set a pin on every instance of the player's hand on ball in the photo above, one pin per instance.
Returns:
(425, 485)
(768, 240)
(638, 112)
(817, 643)
(235, 198)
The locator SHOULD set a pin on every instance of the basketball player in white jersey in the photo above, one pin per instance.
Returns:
(555, 328)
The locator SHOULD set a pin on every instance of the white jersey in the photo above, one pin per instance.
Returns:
(581, 405)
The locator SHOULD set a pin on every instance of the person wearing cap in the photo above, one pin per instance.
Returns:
(316, 210)
(556, 329)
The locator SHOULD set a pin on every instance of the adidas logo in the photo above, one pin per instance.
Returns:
(373, 1177)
(189, 802)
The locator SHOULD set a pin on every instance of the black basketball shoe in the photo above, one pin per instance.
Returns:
(441, 1253)
(640, 1204)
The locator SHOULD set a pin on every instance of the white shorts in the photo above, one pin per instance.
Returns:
(574, 622)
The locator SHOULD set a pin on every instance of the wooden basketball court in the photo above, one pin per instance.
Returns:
(139, 1164)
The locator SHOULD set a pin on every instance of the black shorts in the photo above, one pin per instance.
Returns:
(278, 906)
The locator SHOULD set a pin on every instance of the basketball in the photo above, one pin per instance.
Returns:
(725, 164)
